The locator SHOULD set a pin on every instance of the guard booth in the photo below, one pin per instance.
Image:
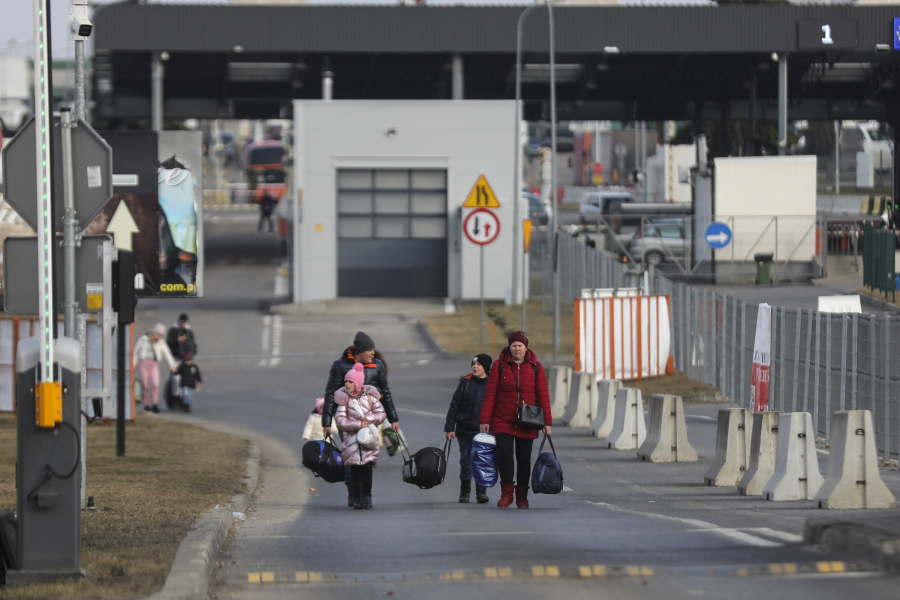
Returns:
(382, 186)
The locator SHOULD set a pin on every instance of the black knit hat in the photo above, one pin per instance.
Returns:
(362, 342)
(484, 360)
(183, 318)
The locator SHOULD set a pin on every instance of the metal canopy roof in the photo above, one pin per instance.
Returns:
(671, 62)
(472, 29)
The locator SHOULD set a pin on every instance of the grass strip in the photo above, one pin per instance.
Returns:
(148, 500)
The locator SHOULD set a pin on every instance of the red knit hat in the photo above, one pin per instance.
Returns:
(517, 336)
(357, 376)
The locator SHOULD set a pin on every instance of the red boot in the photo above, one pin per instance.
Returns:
(522, 496)
(506, 494)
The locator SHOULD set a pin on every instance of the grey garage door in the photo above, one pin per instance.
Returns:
(392, 232)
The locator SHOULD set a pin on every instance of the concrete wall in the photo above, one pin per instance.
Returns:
(467, 138)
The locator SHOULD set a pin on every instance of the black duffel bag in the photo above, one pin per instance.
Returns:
(427, 467)
(323, 458)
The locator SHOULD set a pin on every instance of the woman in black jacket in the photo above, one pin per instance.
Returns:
(462, 423)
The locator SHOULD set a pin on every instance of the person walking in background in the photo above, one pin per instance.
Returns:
(361, 352)
(358, 408)
(516, 379)
(190, 379)
(463, 422)
(180, 337)
(266, 206)
(148, 351)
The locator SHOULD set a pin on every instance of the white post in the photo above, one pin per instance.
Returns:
(481, 288)
(43, 121)
(782, 103)
(157, 72)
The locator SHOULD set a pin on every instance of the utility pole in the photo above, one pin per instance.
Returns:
(80, 29)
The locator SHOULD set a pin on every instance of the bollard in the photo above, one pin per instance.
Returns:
(732, 448)
(853, 479)
(796, 474)
(558, 384)
(629, 429)
(763, 444)
(582, 392)
(606, 407)
(667, 439)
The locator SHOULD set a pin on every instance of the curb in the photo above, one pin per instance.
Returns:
(435, 344)
(868, 543)
(192, 566)
(885, 306)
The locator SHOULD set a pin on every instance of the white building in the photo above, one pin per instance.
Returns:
(382, 186)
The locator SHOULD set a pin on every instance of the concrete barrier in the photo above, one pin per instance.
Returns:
(558, 380)
(853, 479)
(667, 439)
(605, 418)
(629, 430)
(732, 448)
(763, 445)
(582, 392)
(796, 474)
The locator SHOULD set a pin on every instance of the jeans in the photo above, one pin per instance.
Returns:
(518, 460)
(465, 454)
(187, 395)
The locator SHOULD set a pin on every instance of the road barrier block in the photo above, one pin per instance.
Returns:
(763, 445)
(853, 479)
(732, 448)
(796, 474)
(558, 380)
(582, 392)
(605, 418)
(667, 439)
(629, 430)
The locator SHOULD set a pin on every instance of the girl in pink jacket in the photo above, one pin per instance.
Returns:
(358, 406)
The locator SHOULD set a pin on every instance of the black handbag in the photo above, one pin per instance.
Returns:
(528, 416)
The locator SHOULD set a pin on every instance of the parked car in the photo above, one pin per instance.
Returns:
(536, 209)
(595, 205)
(534, 147)
(661, 240)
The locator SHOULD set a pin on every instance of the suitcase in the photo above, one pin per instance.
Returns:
(323, 458)
(547, 475)
(427, 467)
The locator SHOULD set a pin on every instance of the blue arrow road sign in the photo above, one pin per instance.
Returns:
(717, 235)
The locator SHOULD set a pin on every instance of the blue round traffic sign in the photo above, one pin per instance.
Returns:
(717, 234)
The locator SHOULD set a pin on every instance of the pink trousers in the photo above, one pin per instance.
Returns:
(149, 372)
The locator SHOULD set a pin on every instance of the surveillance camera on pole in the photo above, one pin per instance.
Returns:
(80, 26)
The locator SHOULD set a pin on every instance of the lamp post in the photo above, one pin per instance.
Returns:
(517, 167)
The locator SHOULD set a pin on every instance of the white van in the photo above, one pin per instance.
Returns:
(864, 136)
(597, 204)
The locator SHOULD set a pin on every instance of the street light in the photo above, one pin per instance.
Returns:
(516, 168)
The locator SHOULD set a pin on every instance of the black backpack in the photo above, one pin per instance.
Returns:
(547, 475)
(324, 459)
(427, 467)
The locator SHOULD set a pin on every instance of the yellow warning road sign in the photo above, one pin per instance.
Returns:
(526, 234)
(481, 196)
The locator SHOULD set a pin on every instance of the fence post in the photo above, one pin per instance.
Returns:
(734, 359)
(782, 367)
(797, 326)
(743, 348)
(809, 330)
(828, 378)
(844, 321)
(887, 389)
(853, 362)
(818, 372)
(721, 369)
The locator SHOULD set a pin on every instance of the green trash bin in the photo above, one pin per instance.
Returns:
(763, 268)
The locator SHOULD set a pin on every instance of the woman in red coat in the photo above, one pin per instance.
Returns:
(516, 378)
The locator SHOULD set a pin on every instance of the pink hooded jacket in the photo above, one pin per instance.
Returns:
(349, 419)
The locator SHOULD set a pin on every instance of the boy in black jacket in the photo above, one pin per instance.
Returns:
(462, 423)
(190, 379)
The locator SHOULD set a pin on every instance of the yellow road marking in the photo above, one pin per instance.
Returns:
(824, 567)
(632, 571)
(252, 577)
(584, 571)
(315, 577)
(776, 569)
(457, 575)
(504, 572)
(838, 566)
(789, 568)
(599, 570)
(646, 571)
(490, 572)
(302, 577)
(268, 577)
(444, 576)
(742, 572)
(552, 571)
(537, 571)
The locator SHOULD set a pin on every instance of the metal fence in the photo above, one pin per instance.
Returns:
(820, 362)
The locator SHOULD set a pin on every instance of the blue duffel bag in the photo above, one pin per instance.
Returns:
(547, 475)
(484, 460)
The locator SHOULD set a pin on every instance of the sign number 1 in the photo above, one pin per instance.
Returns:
(826, 34)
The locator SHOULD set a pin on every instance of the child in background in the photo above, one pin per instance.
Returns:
(190, 379)
(358, 406)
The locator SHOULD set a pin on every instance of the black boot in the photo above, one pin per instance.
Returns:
(366, 489)
(351, 495)
(358, 498)
(465, 488)
(481, 494)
